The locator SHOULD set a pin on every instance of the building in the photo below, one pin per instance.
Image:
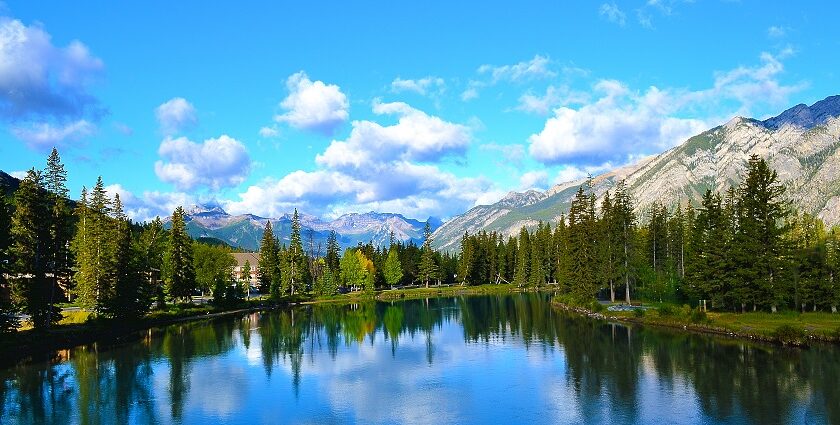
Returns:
(253, 260)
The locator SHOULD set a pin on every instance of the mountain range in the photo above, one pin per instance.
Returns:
(245, 231)
(802, 144)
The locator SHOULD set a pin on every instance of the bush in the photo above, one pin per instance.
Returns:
(789, 335)
(666, 310)
(698, 316)
(597, 307)
(639, 312)
(836, 333)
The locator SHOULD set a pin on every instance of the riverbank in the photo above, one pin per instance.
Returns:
(789, 328)
(30, 345)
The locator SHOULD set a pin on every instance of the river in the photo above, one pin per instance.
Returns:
(501, 359)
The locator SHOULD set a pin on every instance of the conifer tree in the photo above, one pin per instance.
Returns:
(295, 273)
(523, 259)
(536, 273)
(150, 250)
(428, 267)
(625, 235)
(129, 298)
(30, 251)
(180, 274)
(8, 319)
(55, 179)
(333, 252)
(268, 258)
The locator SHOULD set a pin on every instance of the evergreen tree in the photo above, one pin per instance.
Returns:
(295, 264)
(609, 240)
(334, 252)
(523, 259)
(707, 274)
(428, 267)
(130, 298)
(8, 319)
(762, 210)
(536, 272)
(268, 258)
(832, 259)
(393, 269)
(55, 179)
(180, 274)
(150, 250)
(625, 241)
(30, 251)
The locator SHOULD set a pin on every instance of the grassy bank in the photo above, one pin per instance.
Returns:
(415, 293)
(789, 328)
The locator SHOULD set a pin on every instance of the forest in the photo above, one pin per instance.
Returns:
(746, 249)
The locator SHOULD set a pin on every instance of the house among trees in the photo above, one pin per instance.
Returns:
(246, 263)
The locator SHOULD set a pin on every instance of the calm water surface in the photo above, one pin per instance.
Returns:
(483, 359)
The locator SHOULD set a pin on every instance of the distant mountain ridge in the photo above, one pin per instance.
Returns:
(802, 144)
(245, 230)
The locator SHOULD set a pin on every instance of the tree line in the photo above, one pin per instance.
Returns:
(745, 249)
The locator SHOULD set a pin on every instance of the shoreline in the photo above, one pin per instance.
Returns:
(674, 323)
(30, 346)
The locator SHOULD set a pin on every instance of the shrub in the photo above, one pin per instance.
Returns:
(597, 307)
(789, 335)
(685, 310)
(666, 310)
(639, 312)
(698, 316)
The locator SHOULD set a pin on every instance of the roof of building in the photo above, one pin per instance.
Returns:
(251, 257)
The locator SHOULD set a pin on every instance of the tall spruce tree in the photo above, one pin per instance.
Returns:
(295, 273)
(761, 213)
(333, 253)
(625, 234)
(267, 264)
(8, 319)
(55, 182)
(428, 267)
(180, 274)
(30, 251)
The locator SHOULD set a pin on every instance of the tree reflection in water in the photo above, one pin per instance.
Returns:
(613, 371)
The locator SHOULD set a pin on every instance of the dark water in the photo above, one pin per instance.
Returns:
(488, 359)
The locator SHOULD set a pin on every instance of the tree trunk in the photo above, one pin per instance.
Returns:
(612, 291)
(743, 307)
(834, 309)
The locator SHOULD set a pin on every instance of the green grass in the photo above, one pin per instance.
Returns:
(786, 327)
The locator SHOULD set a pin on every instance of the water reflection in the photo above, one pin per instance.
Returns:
(460, 359)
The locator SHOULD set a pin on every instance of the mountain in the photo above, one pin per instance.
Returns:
(802, 144)
(245, 231)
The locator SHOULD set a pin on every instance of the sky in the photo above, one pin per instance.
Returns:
(420, 108)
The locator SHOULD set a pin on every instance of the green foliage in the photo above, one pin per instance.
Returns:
(698, 316)
(393, 269)
(211, 264)
(269, 263)
(639, 312)
(789, 335)
(179, 270)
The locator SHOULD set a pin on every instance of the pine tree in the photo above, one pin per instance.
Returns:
(428, 267)
(393, 268)
(523, 259)
(129, 297)
(333, 252)
(609, 229)
(8, 319)
(762, 210)
(626, 231)
(151, 247)
(30, 251)
(55, 179)
(295, 276)
(180, 274)
(267, 264)
(536, 273)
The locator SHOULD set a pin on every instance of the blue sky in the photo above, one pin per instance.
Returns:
(423, 108)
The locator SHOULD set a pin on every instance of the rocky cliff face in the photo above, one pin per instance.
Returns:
(802, 144)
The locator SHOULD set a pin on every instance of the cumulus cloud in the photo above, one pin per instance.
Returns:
(43, 136)
(150, 204)
(378, 167)
(554, 96)
(45, 87)
(215, 163)
(623, 123)
(416, 136)
(537, 179)
(176, 115)
(422, 86)
(777, 31)
(612, 13)
(313, 105)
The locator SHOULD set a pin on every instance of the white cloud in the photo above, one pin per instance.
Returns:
(777, 31)
(39, 79)
(313, 105)
(537, 179)
(43, 136)
(150, 204)
(176, 115)
(538, 67)
(269, 132)
(422, 86)
(470, 93)
(20, 175)
(612, 13)
(554, 96)
(416, 136)
(623, 123)
(215, 163)
(378, 167)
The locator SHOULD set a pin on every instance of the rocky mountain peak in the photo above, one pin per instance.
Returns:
(805, 116)
(521, 199)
